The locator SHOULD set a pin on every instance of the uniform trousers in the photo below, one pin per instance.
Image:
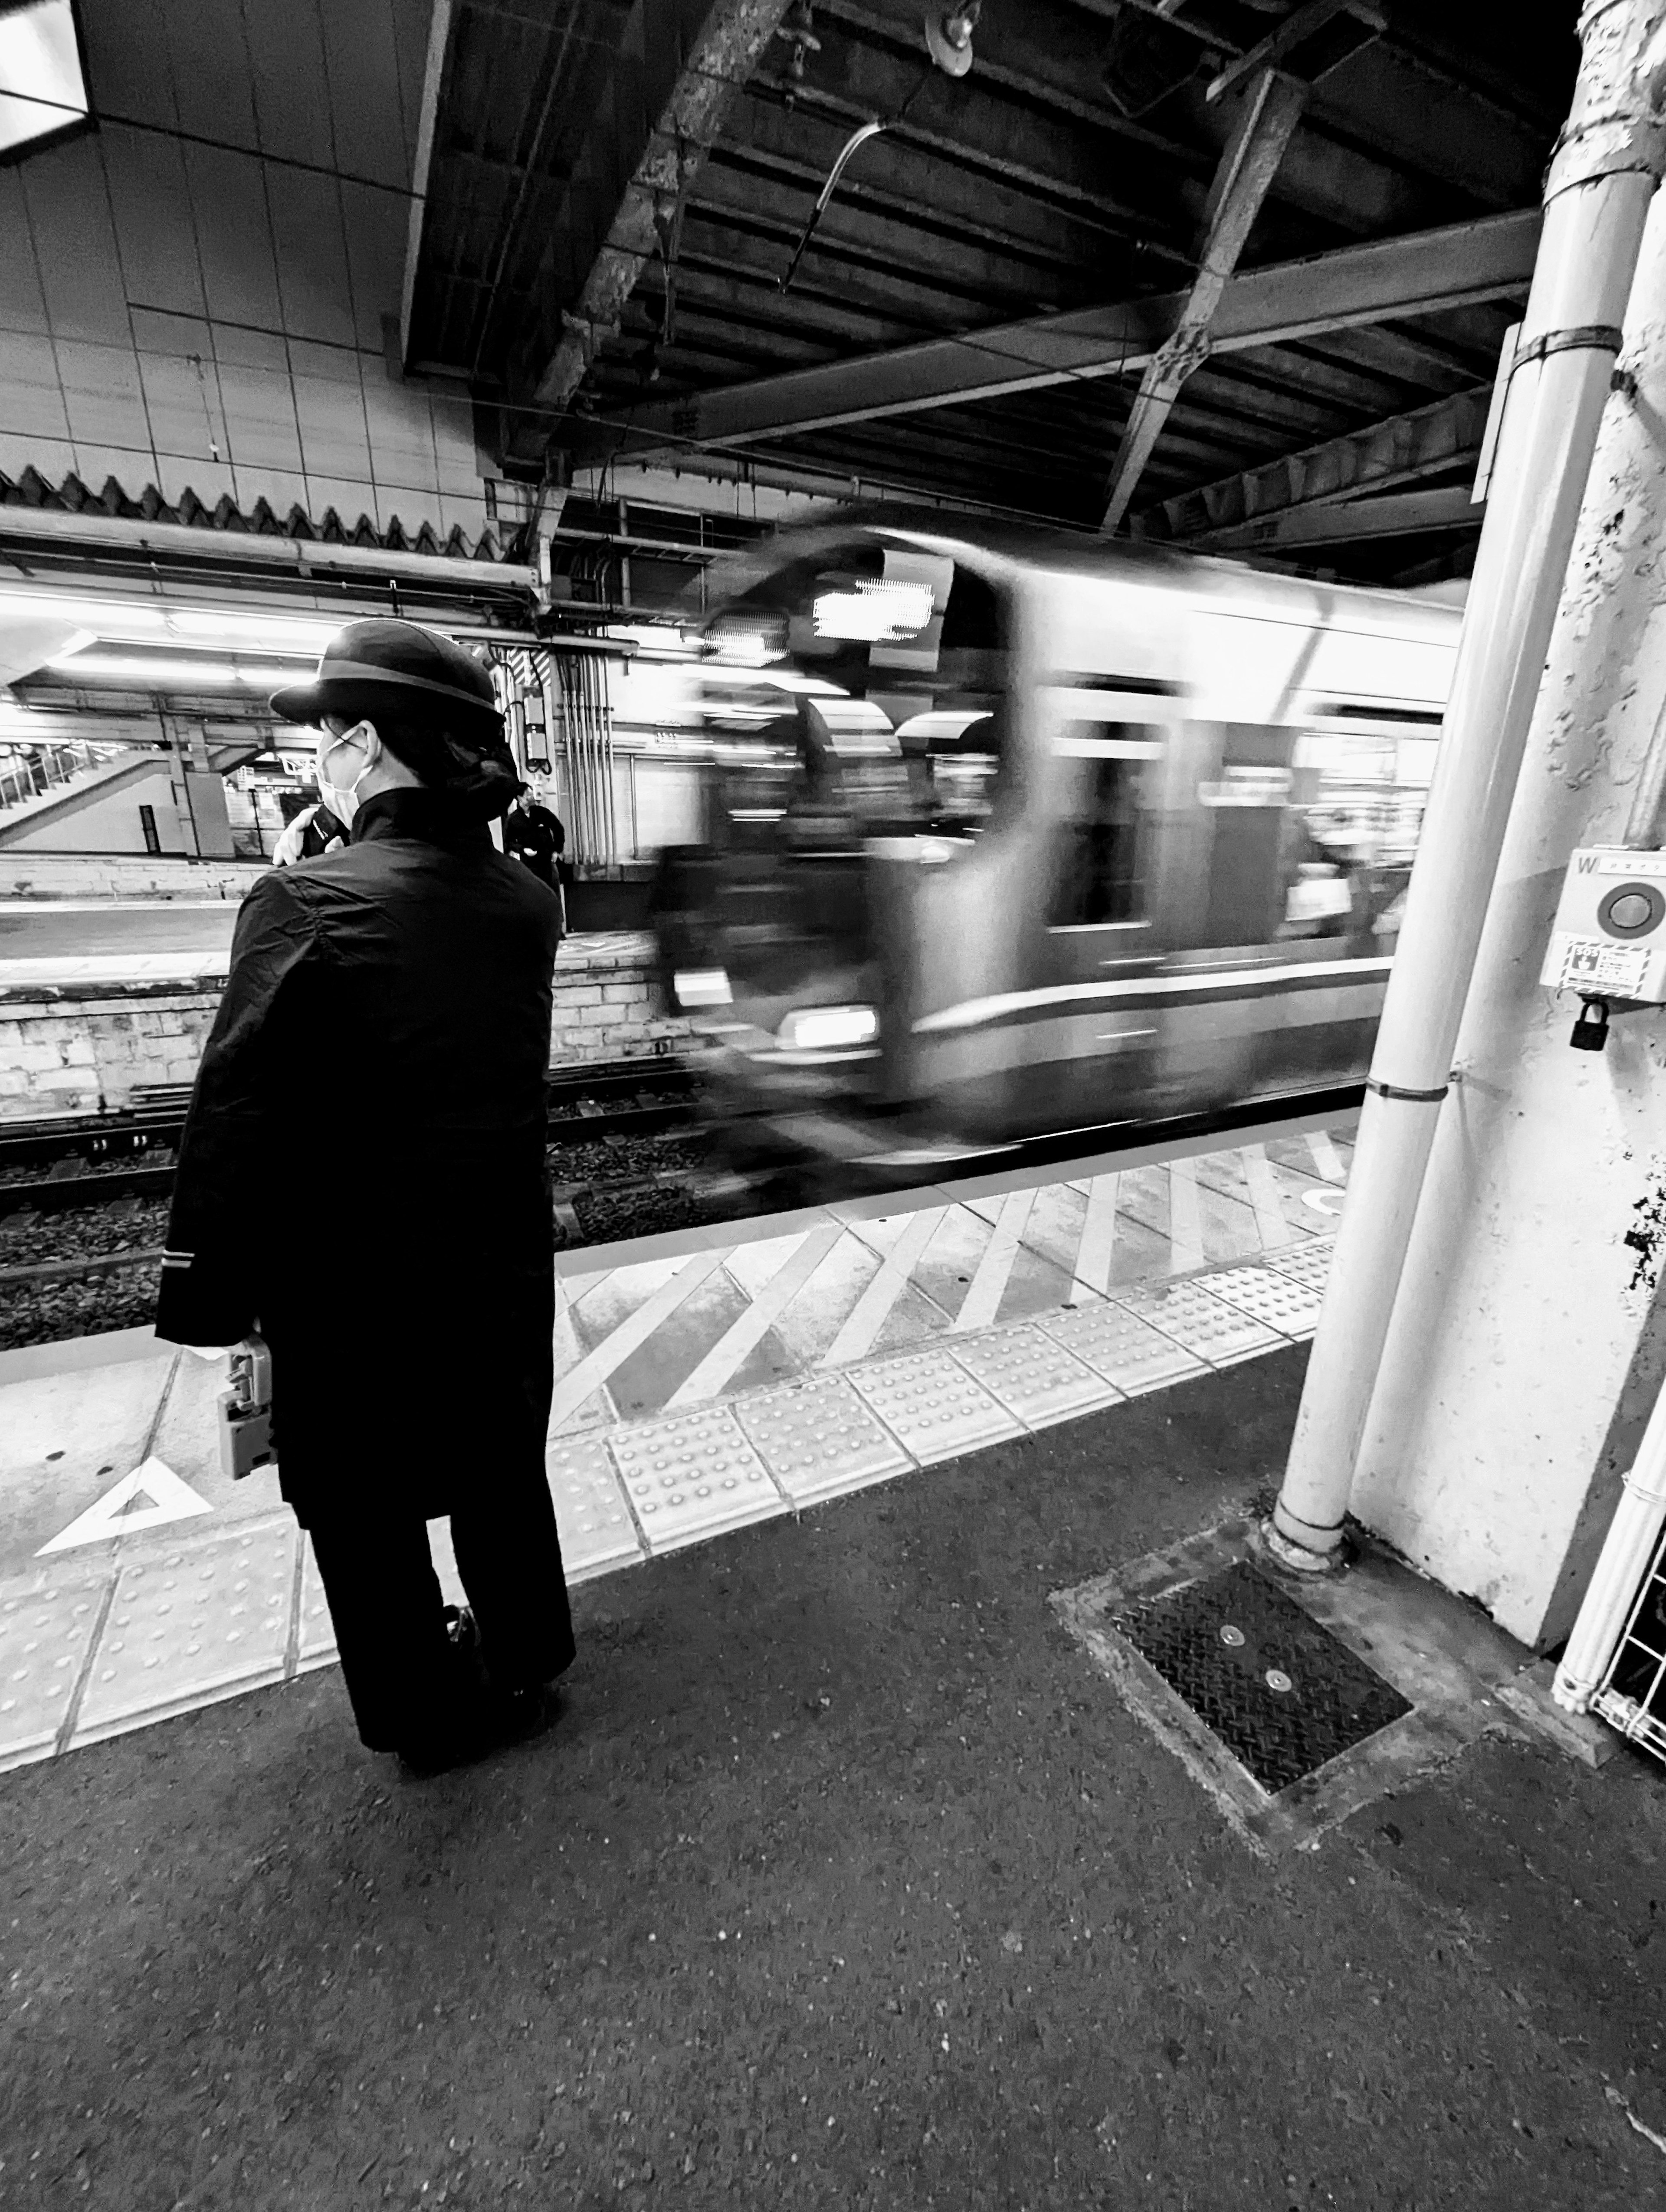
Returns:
(402, 1675)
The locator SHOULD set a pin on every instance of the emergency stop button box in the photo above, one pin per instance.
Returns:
(1610, 935)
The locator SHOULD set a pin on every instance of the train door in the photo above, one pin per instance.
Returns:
(1099, 935)
(1245, 805)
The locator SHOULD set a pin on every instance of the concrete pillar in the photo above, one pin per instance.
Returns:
(1527, 1337)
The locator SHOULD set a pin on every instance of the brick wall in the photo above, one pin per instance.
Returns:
(77, 1051)
(604, 1006)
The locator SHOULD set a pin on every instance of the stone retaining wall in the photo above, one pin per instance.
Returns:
(123, 876)
(91, 1047)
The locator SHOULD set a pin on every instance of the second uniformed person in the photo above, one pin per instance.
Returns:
(385, 1035)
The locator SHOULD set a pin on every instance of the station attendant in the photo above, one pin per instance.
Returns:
(385, 1033)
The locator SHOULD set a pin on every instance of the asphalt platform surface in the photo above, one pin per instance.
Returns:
(843, 1881)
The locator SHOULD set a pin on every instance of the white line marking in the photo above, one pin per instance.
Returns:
(594, 1370)
(1271, 1226)
(1093, 1268)
(1185, 1223)
(169, 1499)
(989, 1278)
(1253, 982)
(744, 1333)
(1326, 1158)
(872, 1309)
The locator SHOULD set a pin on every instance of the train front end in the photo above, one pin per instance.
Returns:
(850, 681)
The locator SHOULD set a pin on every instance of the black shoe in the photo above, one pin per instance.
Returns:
(522, 1715)
(459, 1742)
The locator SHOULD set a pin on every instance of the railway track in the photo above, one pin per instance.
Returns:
(97, 1159)
(595, 1206)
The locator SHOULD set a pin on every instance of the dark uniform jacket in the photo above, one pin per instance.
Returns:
(537, 839)
(381, 1047)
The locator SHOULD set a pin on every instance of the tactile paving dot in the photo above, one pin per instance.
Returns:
(1291, 1308)
(692, 1476)
(1215, 1331)
(1034, 1377)
(597, 1531)
(43, 1638)
(1123, 1348)
(819, 1439)
(933, 1405)
(191, 1625)
(1307, 1263)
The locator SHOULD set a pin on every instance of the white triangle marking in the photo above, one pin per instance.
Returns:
(169, 1499)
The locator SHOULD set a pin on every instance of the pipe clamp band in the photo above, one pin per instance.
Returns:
(1579, 337)
(1417, 1097)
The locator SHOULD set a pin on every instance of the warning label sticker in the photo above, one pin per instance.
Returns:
(1593, 963)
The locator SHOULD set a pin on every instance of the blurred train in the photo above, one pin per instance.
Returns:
(1012, 832)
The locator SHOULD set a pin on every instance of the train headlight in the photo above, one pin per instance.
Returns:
(702, 986)
(828, 1028)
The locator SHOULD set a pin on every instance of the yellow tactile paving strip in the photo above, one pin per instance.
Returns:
(698, 1391)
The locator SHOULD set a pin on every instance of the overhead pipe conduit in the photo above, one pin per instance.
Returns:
(1601, 178)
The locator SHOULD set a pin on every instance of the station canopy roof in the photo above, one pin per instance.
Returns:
(1231, 274)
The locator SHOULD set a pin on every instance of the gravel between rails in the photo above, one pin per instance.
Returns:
(614, 1188)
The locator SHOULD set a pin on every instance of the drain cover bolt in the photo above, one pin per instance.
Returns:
(1277, 1679)
(1231, 1637)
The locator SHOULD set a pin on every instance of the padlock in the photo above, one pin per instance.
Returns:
(1590, 1031)
(246, 1413)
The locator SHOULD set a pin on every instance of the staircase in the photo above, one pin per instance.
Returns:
(51, 783)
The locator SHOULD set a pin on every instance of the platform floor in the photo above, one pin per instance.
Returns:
(846, 1882)
(704, 1381)
(69, 941)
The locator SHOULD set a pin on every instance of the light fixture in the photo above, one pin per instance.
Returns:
(702, 986)
(742, 648)
(874, 613)
(773, 679)
(949, 36)
(43, 77)
(285, 634)
(223, 629)
(828, 1028)
(167, 675)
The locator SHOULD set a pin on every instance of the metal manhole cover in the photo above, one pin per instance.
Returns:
(1278, 1690)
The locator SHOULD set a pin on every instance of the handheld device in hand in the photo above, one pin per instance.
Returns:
(246, 1412)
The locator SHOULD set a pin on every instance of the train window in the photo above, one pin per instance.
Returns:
(1098, 878)
(1356, 808)
(914, 632)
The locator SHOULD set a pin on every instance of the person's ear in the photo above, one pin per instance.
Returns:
(363, 732)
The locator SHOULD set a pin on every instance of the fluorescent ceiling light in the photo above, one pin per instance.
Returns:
(223, 629)
(274, 633)
(170, 675)
(749, 648)
(751, 679)
(874, 613)
(43, 91)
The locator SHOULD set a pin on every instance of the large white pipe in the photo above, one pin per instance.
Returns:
(1607, 162)
(1627, 1551)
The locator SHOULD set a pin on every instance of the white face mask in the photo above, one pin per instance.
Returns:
(343, 803)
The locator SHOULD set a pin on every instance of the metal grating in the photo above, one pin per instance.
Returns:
(1633, 1697)
(1277, 1689)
